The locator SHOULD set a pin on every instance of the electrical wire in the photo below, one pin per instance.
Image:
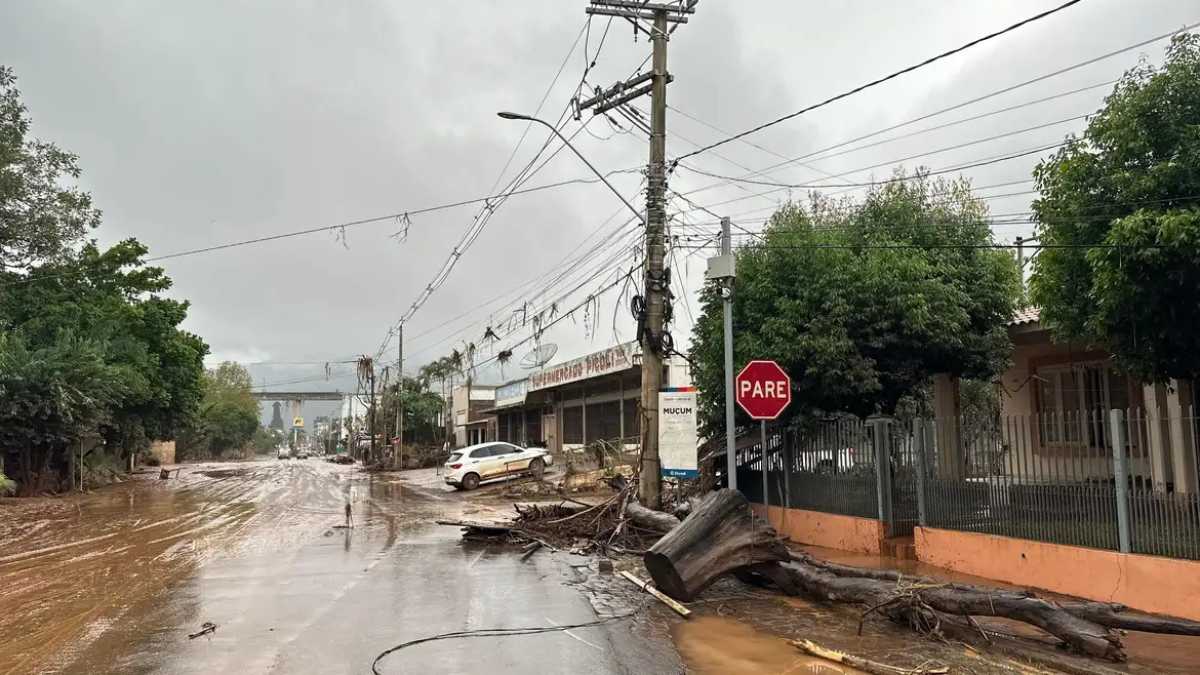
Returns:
(881, 80)
(893, 162)
(978, 99)
(497, 632)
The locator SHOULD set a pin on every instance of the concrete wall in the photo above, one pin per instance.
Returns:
(846, 533)
(164, 451)
(1147, 583)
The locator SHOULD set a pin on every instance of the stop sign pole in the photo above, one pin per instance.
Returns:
(764, 391)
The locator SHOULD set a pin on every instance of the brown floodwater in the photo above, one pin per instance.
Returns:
(714, 645)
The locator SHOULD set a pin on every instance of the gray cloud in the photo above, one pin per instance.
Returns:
(202, 123)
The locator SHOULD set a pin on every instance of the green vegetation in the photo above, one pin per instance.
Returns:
(227, 420)
(863, 302)
(1130, 183)
(90, 350)
(421, 408)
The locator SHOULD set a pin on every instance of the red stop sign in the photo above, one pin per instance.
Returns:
(763, 389)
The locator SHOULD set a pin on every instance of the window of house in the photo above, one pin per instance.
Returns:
(1073, 401)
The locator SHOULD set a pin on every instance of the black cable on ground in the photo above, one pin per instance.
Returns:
(493, 632)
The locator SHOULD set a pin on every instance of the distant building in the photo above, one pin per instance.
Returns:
(471, 425)
(276, 417)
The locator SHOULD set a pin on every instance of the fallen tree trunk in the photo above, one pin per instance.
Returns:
(1115, 615)
(721, 535)
(919, 603)
(649, 518)
(1107, 614)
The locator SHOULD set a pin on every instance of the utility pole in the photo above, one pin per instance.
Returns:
(722, 269)
(400, 402)
(650, 323)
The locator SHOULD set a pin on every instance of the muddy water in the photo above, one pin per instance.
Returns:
(713, 645)
(74, 569)
(115, 581)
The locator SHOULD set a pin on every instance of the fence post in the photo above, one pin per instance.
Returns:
(919, 443)
(1120, 478)
(883, 474)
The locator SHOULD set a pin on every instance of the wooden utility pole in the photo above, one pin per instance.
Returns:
(655, 347)
(400, 402)
(650, 484)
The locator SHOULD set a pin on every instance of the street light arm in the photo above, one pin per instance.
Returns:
(556, 132)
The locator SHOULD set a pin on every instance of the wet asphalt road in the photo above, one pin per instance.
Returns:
(116, 580)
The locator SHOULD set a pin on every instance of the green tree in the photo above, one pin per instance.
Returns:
(50, 396)
(114, 298)
(421, 408)
(40, 217)
(228, 415)
(862, 302)
(1129, 184)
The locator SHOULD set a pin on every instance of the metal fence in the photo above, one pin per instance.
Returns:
(829, 467)
(1123, 480)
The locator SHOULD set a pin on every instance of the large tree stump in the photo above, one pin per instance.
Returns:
(720, 535)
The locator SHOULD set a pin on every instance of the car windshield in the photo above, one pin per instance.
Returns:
(454, 457)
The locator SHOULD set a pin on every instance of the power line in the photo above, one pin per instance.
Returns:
(881, 80)
(977, 99)
(957, 146)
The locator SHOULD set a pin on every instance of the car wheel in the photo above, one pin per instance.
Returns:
(470, 481)
(537, 467)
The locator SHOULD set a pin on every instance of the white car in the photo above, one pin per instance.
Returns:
(468, 467)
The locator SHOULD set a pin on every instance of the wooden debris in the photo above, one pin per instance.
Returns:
(205, 628)
(662, 597)
(867, 665)
(530, 549)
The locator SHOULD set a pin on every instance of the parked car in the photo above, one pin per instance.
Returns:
(470, 466)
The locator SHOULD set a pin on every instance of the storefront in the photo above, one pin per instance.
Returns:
(585, 400)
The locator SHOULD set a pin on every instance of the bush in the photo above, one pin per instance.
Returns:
(152, 460)
(8, 487)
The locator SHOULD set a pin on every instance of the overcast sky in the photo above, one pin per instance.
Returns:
(204, 123)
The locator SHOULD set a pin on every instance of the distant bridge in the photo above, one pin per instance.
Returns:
(298, 395)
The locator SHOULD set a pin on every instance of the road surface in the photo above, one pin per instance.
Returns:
(115, 582)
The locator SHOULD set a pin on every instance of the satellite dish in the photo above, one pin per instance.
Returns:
(540, 356)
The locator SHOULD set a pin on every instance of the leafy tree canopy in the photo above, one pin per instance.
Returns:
(228, 415)
(862, 302)
(1130, 184)
(39, 216)
(112, 297)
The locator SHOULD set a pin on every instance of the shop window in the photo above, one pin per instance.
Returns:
(572, 425)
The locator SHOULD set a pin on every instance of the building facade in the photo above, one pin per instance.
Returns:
(468, 403)
(594, 398)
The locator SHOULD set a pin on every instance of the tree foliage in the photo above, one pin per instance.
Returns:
(421, 408)
(228, 417)
(50, 396)
(113, 298)
(40, 217)
(862, 302)
(1130, 184)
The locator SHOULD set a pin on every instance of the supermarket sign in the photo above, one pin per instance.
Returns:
(604, 362)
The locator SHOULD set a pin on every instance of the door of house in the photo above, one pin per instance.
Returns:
(550, 432)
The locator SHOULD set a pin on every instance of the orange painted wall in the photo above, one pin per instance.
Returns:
(1144, 582)
(847, 533)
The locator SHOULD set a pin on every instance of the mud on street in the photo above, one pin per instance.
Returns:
(116, 580)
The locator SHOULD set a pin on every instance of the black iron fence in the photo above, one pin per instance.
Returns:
(1123, 480)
